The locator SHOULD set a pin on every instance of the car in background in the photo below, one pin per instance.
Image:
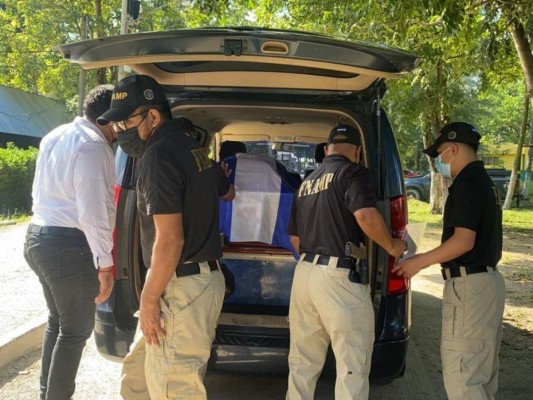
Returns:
(418, 187)
(409, 174)
(502, 179)
(263, 86)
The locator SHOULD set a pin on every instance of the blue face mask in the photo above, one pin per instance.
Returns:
(442, 167)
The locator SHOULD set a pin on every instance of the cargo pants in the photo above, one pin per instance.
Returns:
(472, 313)
(327, 308)
(190, 307)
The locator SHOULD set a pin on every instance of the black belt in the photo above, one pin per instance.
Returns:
(56, 230)
(194, 268)
(457, 272)
(324, 260)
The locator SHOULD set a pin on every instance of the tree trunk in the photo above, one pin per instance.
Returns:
(439, 190)
(100, 32)
(527, 176)
(523, 48)
(518, 157)
(82, 79)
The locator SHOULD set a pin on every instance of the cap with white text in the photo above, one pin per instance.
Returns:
(130, 93)
(345, 134)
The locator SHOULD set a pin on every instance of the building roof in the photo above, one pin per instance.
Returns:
(27, 114)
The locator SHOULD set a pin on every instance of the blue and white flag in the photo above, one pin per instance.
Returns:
(264, 191)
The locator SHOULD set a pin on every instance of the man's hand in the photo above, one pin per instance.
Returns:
(150, 321)
(226, 169)
(105, 276)
(371, 222)
(409, 267)
(398, 248)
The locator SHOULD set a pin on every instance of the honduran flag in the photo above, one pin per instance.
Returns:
(260, 212)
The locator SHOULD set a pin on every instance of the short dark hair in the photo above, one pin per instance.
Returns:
(97, 101)
(229, 148)
(473, 146)
(163, 108)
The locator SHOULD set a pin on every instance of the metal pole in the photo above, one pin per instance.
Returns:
(83, 73)
(123, 31)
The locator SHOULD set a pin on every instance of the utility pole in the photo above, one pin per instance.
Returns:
(123, 30)
(83, 73)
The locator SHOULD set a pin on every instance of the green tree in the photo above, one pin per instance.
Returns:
(17, 167)
(470, 51)
(31, 30)
(517, 18)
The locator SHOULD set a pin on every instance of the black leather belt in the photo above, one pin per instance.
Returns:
(324, 260)
(457, 272)
(194, 268)
(55, 230)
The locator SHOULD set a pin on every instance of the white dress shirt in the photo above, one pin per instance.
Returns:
(73, 185)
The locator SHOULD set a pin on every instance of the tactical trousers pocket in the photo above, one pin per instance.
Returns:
(448, 313)
(464, 367)
(170, 379)
(359, 352)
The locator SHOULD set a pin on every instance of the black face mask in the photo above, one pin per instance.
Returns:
(130, 141)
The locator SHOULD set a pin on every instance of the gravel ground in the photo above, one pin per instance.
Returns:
(22, 296)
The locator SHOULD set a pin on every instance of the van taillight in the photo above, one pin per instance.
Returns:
(114, 252)
(398, 212)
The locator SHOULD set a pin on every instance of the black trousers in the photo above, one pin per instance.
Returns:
(64, 264)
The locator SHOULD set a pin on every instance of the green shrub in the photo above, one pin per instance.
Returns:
(17, 167)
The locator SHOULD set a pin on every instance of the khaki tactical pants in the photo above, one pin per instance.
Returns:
(190, 307)
(472, 313)
(327, 308)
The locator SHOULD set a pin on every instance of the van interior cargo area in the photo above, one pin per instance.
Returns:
(264, 123)
(261, 286)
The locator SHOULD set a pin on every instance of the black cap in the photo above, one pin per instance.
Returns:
(132, 92)
(186, 124)
(345, 134)
(456, 132)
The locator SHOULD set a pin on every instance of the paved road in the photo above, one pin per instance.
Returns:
(22, 296)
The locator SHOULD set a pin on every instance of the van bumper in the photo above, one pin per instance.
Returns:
(388, 360)
(239, 350)
(111, 342)
(245, 350)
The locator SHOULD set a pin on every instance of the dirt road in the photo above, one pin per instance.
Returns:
(98, 378)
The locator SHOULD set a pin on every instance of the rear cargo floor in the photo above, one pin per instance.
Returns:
(260, 286)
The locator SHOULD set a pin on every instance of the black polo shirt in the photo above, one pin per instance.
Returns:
(473, 204)
(323, 208)
(177, 176)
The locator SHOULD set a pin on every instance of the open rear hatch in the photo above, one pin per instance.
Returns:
(245, 58)
(250, 60)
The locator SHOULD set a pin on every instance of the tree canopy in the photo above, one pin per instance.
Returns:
(475, 63)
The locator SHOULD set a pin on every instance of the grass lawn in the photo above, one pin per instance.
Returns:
(517, 256)
(18, 218)
(516, 218)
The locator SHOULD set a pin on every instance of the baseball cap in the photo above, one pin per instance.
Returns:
(132, 92)
(344, 134)
(456, 132)
(186, 124)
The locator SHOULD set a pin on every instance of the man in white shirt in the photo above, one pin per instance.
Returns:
(69, 239)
